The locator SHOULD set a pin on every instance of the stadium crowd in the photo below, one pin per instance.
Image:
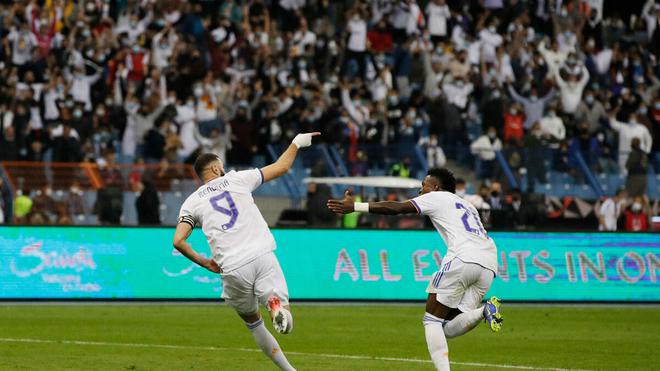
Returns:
(158, 81)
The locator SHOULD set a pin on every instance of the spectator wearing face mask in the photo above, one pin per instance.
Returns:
(535, 156)
(637, 215)
(610, 210)
(587, 146)
(554, 57)
(356, 50)
(553, 126)
(627, 132)
(490, 40)
(534, 105)
(514, 128)
(591, 111)
(458, 92)
(485, 147)
(437, 13)
(571, 89)
(81, 84)
(637, 167)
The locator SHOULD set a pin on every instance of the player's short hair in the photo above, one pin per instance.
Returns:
(445, 177)
(203, 161)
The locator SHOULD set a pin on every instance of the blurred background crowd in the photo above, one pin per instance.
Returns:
(551, 86)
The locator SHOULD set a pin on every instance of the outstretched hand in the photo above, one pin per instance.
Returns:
(345, 206)
(305, 139)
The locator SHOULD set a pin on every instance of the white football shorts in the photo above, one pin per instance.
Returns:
(244, 288)
(461, 285)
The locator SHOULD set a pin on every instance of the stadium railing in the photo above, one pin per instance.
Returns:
(90, 176)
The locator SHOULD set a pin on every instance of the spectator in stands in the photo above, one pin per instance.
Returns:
(514, 128)
(533, 104)
(627, 132)
(587, 146)
(147, 204)
(22, 206)
(402, 168)
(66, 144)
(437, 15)
(44, 203)
(5, 203)
(535, 157)
(637, 166)
(553, 128)
(591, 111)
(637, 215)
(9, 146)
(109, 203)
(610, 210)
(485, 147)
(435, 156)
(73, 201)
(154, 142)
(109, 74)
(461, 190)
(356, 48)
(571, 89)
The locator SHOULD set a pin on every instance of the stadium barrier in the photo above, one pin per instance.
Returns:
(90, 176)
(140, 263)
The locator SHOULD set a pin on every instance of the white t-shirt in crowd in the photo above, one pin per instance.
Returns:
(22, 43)
(459, 225)
(437, 16)
(357, 41)
(233, 225)
(610, 211)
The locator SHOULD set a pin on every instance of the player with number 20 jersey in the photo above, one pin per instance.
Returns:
(467, 270)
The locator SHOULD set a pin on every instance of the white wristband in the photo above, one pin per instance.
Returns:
(361, 206)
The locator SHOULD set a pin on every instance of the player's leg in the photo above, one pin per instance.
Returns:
(445, 293)
(271, 289)
(238, 292)
(436, 342)
(470, 311)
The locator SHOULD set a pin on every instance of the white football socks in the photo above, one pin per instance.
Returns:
(463, 323)
(269, 345)
(436, 341)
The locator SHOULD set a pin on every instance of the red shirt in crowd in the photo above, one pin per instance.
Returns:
(380, 42)
(514, 128)
(636, 222)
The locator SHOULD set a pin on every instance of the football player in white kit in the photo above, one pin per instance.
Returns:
(453, 306)
(241, 244)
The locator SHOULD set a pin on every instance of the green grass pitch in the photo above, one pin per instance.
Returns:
(325, 337)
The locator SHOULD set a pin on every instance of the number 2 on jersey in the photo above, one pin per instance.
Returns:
(232, 212)
(466, 222)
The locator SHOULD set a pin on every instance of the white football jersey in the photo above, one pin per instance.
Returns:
(233, 225)
(460, 227)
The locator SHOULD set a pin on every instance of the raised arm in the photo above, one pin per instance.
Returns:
(183, 231)
(348, 205)
(283, 164)
(514, 94)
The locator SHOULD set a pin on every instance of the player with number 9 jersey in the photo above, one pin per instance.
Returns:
(242, 247)
(233, 225)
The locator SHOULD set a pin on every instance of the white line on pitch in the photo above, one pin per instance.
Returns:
(322, 355)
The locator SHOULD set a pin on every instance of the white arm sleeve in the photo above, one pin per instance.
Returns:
(251, 178)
